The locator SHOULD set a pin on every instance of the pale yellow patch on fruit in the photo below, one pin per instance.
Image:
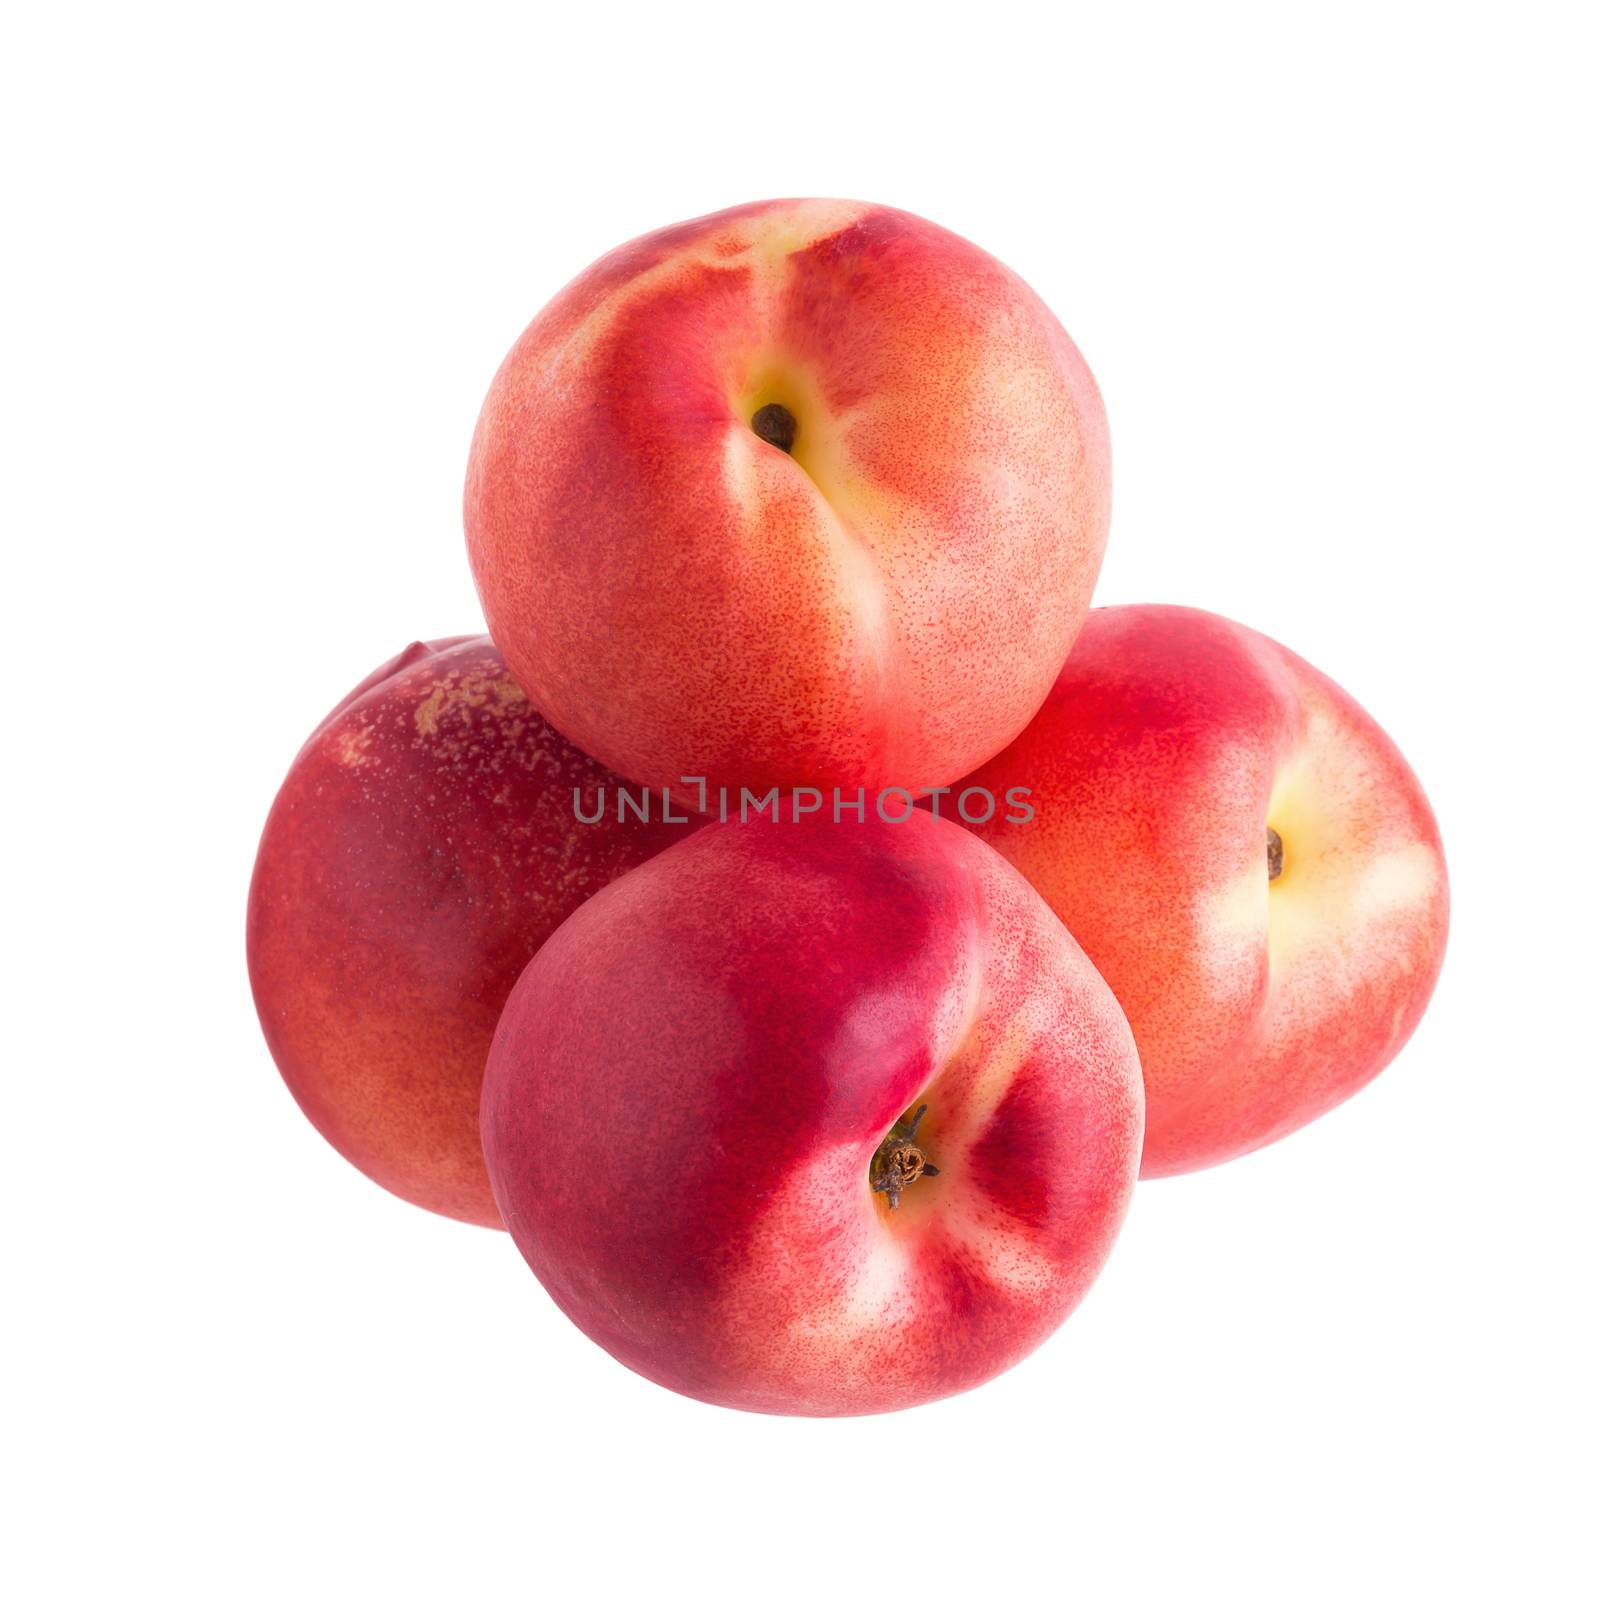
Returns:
(353, 746)
(1338, 882)
(1397, 882)
(474, 691)
(1235, 917)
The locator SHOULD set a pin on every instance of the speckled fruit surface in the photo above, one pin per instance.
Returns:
(1173, 741)
(691, 1083)
(421, 849)
(879, 589)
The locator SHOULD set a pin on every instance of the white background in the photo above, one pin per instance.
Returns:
(1337, 278)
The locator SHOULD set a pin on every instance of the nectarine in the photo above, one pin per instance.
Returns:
(422, 847)
(1247, 859)
(814, 1117)
(804, 492)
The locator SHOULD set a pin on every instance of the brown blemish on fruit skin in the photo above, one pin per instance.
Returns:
(1274, 855)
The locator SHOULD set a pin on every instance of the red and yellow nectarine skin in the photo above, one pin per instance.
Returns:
(421, 849)
(886, 601)
(691, 1080)
(1172, 742)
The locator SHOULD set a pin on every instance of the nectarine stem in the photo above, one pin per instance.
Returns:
(776, 425)
(899, 1160)
(1274, 854)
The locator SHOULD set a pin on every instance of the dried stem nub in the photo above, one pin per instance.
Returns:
(899, 1161)
(776, 425)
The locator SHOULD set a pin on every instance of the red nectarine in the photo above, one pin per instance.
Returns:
(805, 492)
(704, 1116)
(1245, 856)
(422, 847)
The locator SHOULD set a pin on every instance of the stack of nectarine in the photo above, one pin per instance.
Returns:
(805, 920)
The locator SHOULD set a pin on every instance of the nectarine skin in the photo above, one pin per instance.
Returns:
(691, 1080)
(421, 849)
(878, 590)
(1171, 743)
